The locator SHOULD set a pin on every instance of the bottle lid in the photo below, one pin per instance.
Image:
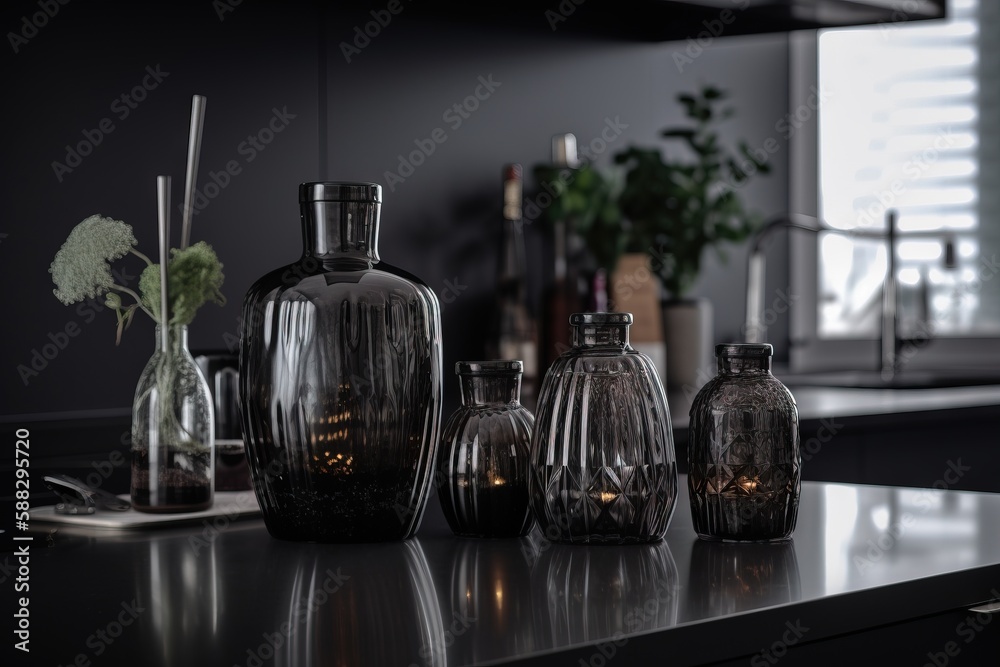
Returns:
(744, 350)
(340, 191)
(512, 172)
(564, 150)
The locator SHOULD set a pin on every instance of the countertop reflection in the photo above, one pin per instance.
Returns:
(194, 596)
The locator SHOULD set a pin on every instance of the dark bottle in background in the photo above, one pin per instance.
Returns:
(515, 333)
(565, 296)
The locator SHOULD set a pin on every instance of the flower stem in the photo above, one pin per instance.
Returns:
(138, 301)
(141, 256)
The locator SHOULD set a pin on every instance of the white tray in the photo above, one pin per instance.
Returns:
(230, 504)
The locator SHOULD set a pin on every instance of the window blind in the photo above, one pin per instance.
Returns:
(901, 128)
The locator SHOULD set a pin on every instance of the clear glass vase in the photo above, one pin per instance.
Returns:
(744, 463)
(173, 467)
(482, 469)
(340, 380)
(603, 468)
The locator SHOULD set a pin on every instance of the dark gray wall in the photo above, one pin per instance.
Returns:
(352, 121)
(62, 83)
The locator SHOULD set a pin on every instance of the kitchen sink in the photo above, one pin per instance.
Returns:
(905, 379)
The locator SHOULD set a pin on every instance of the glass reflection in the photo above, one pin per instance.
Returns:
(356, 604)
(898, 526)
(594, 593)
(727, 578)
(180, 593)
(490, 600)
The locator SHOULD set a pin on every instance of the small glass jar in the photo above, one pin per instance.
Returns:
(744, 463)
(482, 476)
(602, 454)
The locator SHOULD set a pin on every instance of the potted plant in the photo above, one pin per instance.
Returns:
(678, 207)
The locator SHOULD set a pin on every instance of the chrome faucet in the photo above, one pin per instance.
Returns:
(890, 342)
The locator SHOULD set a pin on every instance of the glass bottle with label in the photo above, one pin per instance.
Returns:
(515, 333)
(565, 295)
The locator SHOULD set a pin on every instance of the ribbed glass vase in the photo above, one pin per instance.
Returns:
(340, 380)
(482, 467)
(603, 468)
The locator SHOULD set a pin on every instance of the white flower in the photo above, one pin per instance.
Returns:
(81, 268)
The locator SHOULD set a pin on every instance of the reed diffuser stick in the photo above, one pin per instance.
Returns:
(163, 221)
(191, 176)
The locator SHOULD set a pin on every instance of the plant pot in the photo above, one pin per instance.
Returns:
(635, 289)
(687, 331)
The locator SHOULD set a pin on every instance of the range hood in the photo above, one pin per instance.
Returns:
(679, 20)
(768, 16)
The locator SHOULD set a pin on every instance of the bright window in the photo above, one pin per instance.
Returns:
(907, 123)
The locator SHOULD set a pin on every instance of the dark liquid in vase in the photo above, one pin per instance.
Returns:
(179, 490)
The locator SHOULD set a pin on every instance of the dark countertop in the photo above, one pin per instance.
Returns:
(817, 403)
(228, 594)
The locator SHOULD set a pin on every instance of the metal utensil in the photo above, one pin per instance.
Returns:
(80, 498)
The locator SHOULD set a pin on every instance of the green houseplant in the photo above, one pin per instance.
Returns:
(681, 205)
(671, 207)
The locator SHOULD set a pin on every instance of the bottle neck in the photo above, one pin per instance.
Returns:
(340, 230)
(513, 260)
(744, 358)
(177, 338)
(601, 335)
(485, 389)
(744, 365)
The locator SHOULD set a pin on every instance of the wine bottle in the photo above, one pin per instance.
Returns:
(515, 335)
(563, 298)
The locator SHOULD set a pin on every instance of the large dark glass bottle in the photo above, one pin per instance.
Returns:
(744, 464)
(340, 380)
(515, 333)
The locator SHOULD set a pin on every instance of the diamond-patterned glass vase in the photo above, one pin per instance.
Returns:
(603, 468)
(744, 464)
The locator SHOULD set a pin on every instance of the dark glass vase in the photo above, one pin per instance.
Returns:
(340, 380)
(483, 460)
(603, 468)
(744, 464)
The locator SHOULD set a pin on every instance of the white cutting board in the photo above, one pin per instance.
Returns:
(230, 504)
